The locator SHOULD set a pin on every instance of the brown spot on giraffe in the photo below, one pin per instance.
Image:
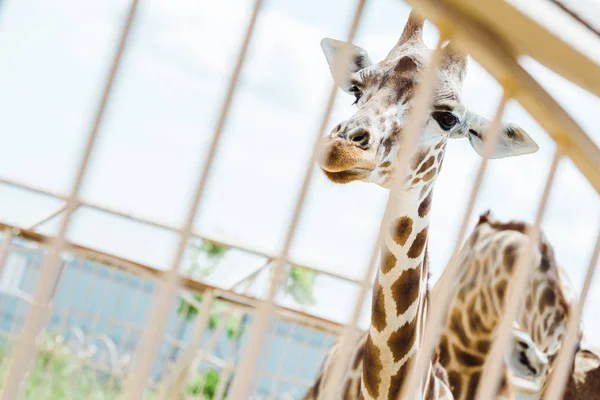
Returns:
(372, 376)
(547, 321)
(378, 315)
(416, 248)
(529, 302)
(500, 289)
(509, 257)
(430, 175)
(388, 261)
(443, 351)
(388, 143)
(401, 230)
(476, 324)
(425, 205)
(402, 340)
(398, 379)
(559, 316)
(483, 303)
(547, 257)
(415, 181)
(456, 325)
(455, 383)
(385, 164)
(473, 383)
(426, 165)
(405, 290)
(440, 144)
(418, 159)
(547, 299)
(483, 346)
(425, 189)
(440, 157)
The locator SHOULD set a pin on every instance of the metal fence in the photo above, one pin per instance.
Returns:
(153, 354)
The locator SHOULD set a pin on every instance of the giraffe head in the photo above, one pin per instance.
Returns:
(363, 147)
(524, 357)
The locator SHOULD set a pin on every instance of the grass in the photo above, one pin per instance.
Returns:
(59, 374)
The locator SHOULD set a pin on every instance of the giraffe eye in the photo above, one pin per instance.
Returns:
(445, 120)
(356, 92)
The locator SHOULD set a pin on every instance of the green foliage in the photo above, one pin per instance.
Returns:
(187, 310)
(213, 250)
(204, 383)
(204, 258)
(59, 374)
(212, 253)
(299, 284)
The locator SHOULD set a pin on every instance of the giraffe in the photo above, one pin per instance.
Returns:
(363, 148)
(487, 261)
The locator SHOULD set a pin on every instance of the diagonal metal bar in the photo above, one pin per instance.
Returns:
(562, 366)
(163, 300)
(26, 349)
(516, 293)
(49, 216)
(240, 388)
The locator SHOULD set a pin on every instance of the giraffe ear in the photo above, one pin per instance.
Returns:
(513, 140)
(359, 59)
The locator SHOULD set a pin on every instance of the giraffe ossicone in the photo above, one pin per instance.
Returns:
(364, 147)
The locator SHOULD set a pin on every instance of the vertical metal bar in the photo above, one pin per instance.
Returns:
(516, 293)
(440, 299)
(134, 386)
(240, 387)
(558, 378)
(411, 133)
(26, 350)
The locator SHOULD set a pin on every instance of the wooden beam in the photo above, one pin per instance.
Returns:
(526, 36)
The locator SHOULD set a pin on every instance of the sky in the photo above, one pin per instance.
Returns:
(163, 111)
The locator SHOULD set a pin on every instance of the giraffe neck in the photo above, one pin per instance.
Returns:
(399, 296)
(489, 260)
